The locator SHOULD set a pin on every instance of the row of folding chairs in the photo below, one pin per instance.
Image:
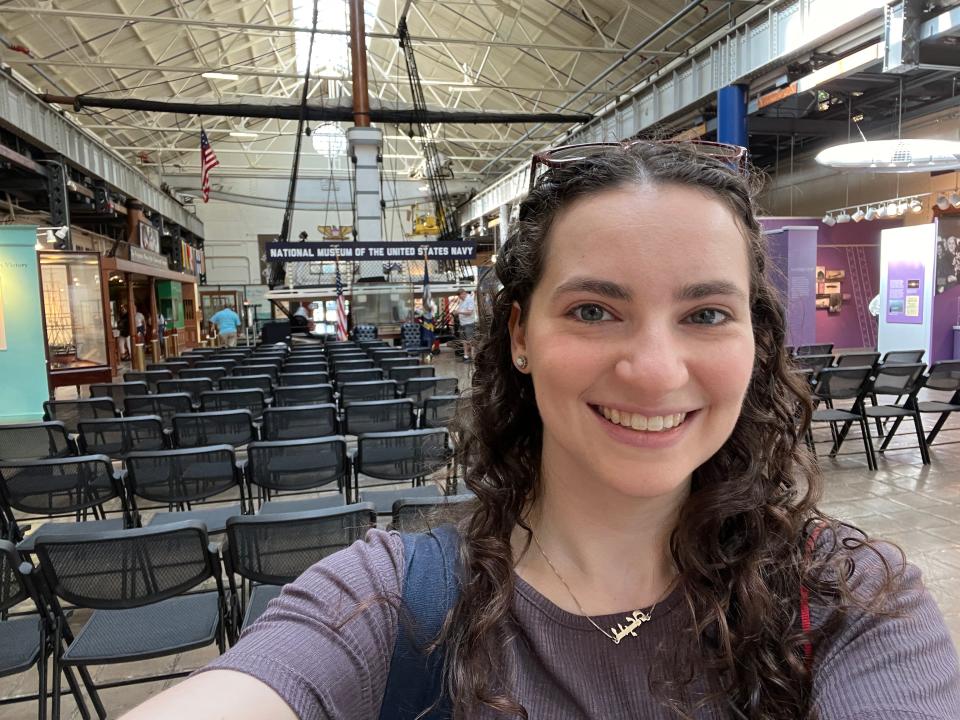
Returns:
(814, 363)
(863, 386)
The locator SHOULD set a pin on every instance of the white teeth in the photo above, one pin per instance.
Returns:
(642, 422)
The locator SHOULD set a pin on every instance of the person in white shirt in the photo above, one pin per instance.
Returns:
(467, 310)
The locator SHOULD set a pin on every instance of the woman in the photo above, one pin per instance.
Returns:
(645, 542)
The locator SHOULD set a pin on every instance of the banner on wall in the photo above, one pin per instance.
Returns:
(905, 292)
(308, 251)
(948, 253)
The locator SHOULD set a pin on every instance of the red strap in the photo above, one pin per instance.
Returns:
(805, 601)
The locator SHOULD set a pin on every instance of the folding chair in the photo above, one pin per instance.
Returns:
(833, 384)
(223, 427)
(164, 406)
(303, 378)
(136, 582)
(944, 376)
(306, 367)
(191, 386)
(902, 356)
(248, 382)
(406, 456)
(118, 391)
(296, 467)
(822, 349)
(900, 380)
(358, 364)
(352, 376)
(271, 371)
(302, 395)
(389, 362)
(34, 441)
(118, 437)
(269, 551)
(227, 363)
(371, 390)
(857, 359)
(378, 416)
(150, 377)
(213, 373)
(61, 488)
(254, 400)
(70, 412)
(414, 515)
(184, 477)
(419, 389)
(299, 421)
(813, 363)
(438, 411)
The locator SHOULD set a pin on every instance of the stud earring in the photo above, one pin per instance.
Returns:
(521, 362)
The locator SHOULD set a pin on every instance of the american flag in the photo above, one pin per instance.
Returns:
(341, 308)
(208, 161)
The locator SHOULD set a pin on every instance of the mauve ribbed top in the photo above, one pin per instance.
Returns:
(874, 668)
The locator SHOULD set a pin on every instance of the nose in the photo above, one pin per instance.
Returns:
(652, 361)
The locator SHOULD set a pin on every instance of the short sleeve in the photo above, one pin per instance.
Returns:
(899, 664)
(325, 644)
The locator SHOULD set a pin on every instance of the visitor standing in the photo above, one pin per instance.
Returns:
(227, 322)
(467, 310)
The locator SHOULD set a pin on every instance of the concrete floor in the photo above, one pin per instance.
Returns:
(904, 501)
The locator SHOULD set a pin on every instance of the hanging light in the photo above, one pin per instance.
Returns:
(857, 216)
(843, 217)
(892, 209)
(893, 156)
(942, 201)
(955, 199)
(902, 207)
(871, 213)
(881, 211)
(829, 220)
(916, 206)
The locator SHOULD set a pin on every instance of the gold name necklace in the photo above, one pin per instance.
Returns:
(633, 621)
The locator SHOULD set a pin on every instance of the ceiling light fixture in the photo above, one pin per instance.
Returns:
(871, 213)
(893, 156)
(843, 217)
(829, 220)
(955, 199)
(942, 201)
(244, 134)
(220, 76)
(916, 206)
(858, 215)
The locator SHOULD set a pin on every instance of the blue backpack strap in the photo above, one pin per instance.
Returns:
(430, 589)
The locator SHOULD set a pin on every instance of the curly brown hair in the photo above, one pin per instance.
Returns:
(739, 541)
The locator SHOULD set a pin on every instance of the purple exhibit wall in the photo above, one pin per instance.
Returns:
(853, 248)
(946, 305)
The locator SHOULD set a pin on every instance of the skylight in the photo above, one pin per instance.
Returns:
(331, 53)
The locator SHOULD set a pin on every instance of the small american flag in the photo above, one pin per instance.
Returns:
(341, 307)
(208, 161)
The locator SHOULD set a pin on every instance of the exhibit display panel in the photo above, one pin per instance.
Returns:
(907, 260)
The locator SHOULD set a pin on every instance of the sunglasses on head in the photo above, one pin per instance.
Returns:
(735, 155)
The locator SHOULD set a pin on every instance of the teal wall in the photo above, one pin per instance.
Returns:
(23, 364)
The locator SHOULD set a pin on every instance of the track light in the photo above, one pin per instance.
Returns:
(871, 213)
(829, 220)
(881, 211)
(942, 201)
(843, 217)
(902, 207)
(955, 199)
(916, 206)
(857, 216)
(891, 210)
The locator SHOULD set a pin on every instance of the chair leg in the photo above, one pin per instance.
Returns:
(42, 677)
(57, 650)
(893, 431)
(924, 452)
(77, 693)
(868, 443)
(808, 436)
(936, 428)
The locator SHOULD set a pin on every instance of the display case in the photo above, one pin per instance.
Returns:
(74, 318)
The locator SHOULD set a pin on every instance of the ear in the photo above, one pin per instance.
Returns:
(518, 345)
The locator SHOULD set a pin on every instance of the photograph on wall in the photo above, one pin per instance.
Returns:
(829, 289)
(821, 279)
(836, 300)
(835, 275)
(149, 237)
(905, 292)
(948, 253)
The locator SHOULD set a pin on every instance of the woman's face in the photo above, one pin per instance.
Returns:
(638, 338)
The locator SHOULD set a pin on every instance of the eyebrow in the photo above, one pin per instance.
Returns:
(614, 291)
(698, 291)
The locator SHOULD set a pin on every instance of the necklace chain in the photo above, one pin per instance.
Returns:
(634, 619)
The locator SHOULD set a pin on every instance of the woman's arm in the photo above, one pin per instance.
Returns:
(214, 695)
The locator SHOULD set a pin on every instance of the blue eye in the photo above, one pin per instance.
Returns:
(709, 316)
(591, 313)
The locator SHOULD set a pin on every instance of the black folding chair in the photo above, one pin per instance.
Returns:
(218, 362)
(303, 378)
(75, 487)
(902, 356)
(363, 363)
(191, 386)
(181, 478)
(271, 371)
(306, 367)
(406, 456)
(857, 359)
(118, 437)
(389, 362)
(269, 551)
(151, 377)
(353, 376)
(944, 376)
(299, 421)
(118, 391)
(302, 395)
(438, 411)
(164, 406)
(378, 416)
(27, 639)
(371, 390)
(821, 349)
(834, 384)
(248, 382)
(900, 380)
(71, 412)
(34, 441)
(813, 364)
(204, 373)
(419, 514)
(223, 427)
(419, 389)
(136, 582)
(174, 366)
(254, 400)
(296, 467)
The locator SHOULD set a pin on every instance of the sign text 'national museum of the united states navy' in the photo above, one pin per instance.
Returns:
(309, 251)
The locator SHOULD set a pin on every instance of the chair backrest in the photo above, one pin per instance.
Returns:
(13, 590)
(421, 514)
(271, 371)
(371, 390)
(306, 367)
(402, 455)
(34, 441)
(438, 410)
(275, 549)
(192, 387)
(118, 391)
(264, 383)
(222, 427)
(945, 376)
(366, 375)
(303, 378)
(127, 568)
(847, 383)
(183, 475)
(164, 405)
(389, 362)
(898, 379)
(902, 356)
(410, 335)
(821, 349)
(402, 373)
(378, 416)
(227, 363)
(857, 359)
(253, 400)
(118, 437)
(299, 421)
(364, 331)
(174, 366)
(302, 395)
(207, 372)
(58, 485)
(816, 363)
(419, 389)
(304, 464)
(70, 412)
(340, 366)
(150, 377)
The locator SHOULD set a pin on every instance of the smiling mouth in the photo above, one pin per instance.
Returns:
(641, 423)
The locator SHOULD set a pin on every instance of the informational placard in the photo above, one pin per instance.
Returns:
(905, 292)
(149, 237)
(310, 251)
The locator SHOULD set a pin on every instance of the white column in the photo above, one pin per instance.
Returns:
(504, 227)
(364, 147)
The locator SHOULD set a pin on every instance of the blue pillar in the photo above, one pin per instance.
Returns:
(732, 115)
